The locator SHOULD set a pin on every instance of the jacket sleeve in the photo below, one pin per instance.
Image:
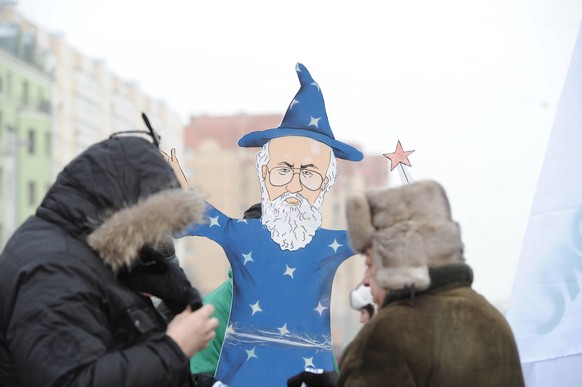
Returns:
(62, 332)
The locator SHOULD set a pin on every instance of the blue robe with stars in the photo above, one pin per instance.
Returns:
(279, 322)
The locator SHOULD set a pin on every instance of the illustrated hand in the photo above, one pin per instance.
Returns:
(175, 164)
(193, 330)
(312, 377)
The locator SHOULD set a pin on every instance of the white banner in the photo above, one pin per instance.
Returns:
(545, 309)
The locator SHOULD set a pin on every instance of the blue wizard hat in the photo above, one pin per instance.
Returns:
(305, 117)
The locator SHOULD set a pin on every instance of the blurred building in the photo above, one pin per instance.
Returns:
(227, 175)
(26, 120)
(55, 101)
(91, 102)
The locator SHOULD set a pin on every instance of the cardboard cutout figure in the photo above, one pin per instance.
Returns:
(283, 263)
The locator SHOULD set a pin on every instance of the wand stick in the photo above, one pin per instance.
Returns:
(398, 159)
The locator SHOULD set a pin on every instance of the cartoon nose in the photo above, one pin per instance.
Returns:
(294, 185)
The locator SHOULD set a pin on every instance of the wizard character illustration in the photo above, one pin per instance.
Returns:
(283, 263)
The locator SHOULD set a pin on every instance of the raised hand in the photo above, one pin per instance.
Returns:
(175, 164)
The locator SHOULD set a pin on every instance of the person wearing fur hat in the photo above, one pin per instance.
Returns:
(432, 328)
(78, 277)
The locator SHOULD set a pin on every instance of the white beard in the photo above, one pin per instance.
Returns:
(291, 227)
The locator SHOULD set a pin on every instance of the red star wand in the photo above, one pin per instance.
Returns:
(399, 158)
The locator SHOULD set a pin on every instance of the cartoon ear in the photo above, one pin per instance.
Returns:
(265, 170)
(324, 184)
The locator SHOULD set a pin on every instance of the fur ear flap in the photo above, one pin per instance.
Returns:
(400, 257)
(359, 219)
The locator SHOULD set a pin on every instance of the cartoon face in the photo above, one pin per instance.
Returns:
(296, 165)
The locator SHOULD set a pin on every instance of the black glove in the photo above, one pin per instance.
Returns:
(158, 273)
(206, 380)
(313, 378)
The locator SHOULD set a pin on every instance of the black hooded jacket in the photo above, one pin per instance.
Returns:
(66, 317)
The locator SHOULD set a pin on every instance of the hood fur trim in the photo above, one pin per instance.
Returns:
(409, 229)
(120, 238)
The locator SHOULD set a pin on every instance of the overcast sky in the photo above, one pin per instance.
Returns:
(472, 86)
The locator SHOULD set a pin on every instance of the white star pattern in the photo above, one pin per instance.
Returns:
(256, 308)
(246, 333)
(320, 308)
(293, 103)
(248, 258)
(316, 85)
(335, 245)
(289, 271)
(283, 330)
(251, 353)
(314, 121)
(214, 221)
(242, 221)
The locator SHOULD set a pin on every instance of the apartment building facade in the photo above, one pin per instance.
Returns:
(55, 101)
(26, 118)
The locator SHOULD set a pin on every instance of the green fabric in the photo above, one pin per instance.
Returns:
(206, 360)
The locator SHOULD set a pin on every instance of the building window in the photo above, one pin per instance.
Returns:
(31, 142)
(25, 92)
(47, 144)
(31, 193)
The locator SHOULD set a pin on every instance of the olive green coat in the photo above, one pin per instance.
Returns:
(446, 336)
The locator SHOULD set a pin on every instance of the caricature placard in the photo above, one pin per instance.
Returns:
(284, 262)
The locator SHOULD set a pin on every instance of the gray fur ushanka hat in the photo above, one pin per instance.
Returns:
(409, 229)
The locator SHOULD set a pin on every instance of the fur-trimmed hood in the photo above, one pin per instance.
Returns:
(119, 195)
(120, 238)
(409, 229)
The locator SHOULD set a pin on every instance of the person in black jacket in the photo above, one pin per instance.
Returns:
(77, 278)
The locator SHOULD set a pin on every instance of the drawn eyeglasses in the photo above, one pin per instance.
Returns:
(310, 179)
